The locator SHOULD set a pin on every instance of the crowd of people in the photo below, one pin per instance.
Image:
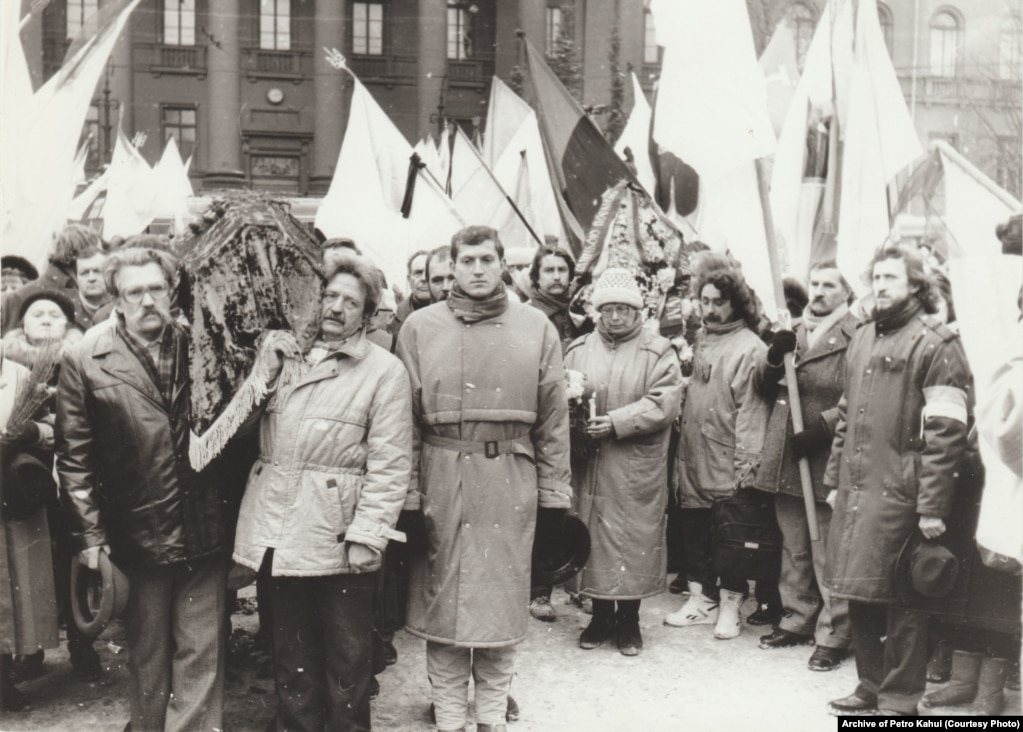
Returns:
(423, 446)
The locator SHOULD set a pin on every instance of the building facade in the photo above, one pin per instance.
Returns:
(960, 66)
(245, 89)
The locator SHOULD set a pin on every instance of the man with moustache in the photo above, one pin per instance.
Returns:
(550, 278)
(900, 437)
(439, 275)
(122, 455)
(820, 340)
(723, 422)
(321, 504)
(492, 458)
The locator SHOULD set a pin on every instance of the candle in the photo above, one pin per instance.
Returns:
(593, 406)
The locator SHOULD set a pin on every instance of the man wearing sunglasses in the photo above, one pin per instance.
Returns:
(130, 492)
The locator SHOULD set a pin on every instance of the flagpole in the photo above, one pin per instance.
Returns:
(795, 406)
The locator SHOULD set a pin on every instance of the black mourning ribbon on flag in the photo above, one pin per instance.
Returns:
(414, 164)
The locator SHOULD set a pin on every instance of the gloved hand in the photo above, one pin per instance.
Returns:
(412, 523)
(814, 438)
(783, 341)
(550, 520)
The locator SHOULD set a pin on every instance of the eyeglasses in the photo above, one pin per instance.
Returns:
(136, 294)
(622, 311)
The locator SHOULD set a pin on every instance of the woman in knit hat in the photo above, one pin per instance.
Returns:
(621, 483)
(44, 317)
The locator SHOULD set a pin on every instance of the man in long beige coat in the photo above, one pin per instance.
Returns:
(491, 422)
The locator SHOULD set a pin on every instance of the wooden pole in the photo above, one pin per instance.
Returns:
(795, 408)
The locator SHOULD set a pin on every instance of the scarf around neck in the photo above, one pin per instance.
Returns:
(724, 328)
(549, 304)
(470, 310)
(817, 326)
(614, 340)
(897, 317)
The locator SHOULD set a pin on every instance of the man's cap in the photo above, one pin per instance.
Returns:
(97, 596)
(559, 556)
(925, 568)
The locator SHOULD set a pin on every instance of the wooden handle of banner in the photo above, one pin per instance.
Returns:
(795, 406)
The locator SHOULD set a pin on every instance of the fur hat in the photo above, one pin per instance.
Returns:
(617, 285)
(13, 264)
(53, 296)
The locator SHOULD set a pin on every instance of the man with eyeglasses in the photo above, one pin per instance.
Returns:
(122, 454)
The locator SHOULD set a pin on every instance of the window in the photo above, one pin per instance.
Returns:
(275, 25)
(651, 53)
(884, 17)
(90, 133)
(78, 12)
(945, 39)
(367, 29)
(179, 22)
(1010, 166)
(179, 123)
(803, 21)
(1009, 57)
(460, 35)
(553, 28)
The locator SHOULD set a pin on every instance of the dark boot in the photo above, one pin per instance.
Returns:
(601, 627)
(963, 687)
(11, 700)
(630, 641)
(939, 667)
(990, 699)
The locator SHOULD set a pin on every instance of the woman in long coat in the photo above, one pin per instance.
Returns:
(621, 488)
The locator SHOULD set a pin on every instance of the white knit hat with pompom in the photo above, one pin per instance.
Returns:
(617, 285)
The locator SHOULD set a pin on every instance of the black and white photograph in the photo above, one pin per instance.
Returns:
(510, 365)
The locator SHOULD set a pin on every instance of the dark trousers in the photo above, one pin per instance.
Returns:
(697, 553)
(323, 651)
(627, 610)
(177, 645)
(894, 670)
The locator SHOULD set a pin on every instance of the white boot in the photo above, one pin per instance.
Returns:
(729, 623)
(697, 610)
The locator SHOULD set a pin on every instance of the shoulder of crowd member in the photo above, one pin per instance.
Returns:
(653, 342)
(578, 341)
(941, 330)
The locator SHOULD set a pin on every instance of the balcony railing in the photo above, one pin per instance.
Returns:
(961, 90)
(162, 59)
(385, 69)
(294, 65)
(471, 72)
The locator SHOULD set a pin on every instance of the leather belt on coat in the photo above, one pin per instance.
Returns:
(489, 448)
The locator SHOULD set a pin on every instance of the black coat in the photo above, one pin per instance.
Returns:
(819, 375)
(122, 457)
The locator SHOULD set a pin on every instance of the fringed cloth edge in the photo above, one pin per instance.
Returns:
(202, 449)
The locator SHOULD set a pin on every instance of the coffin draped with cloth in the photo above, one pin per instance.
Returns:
(248, 267)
